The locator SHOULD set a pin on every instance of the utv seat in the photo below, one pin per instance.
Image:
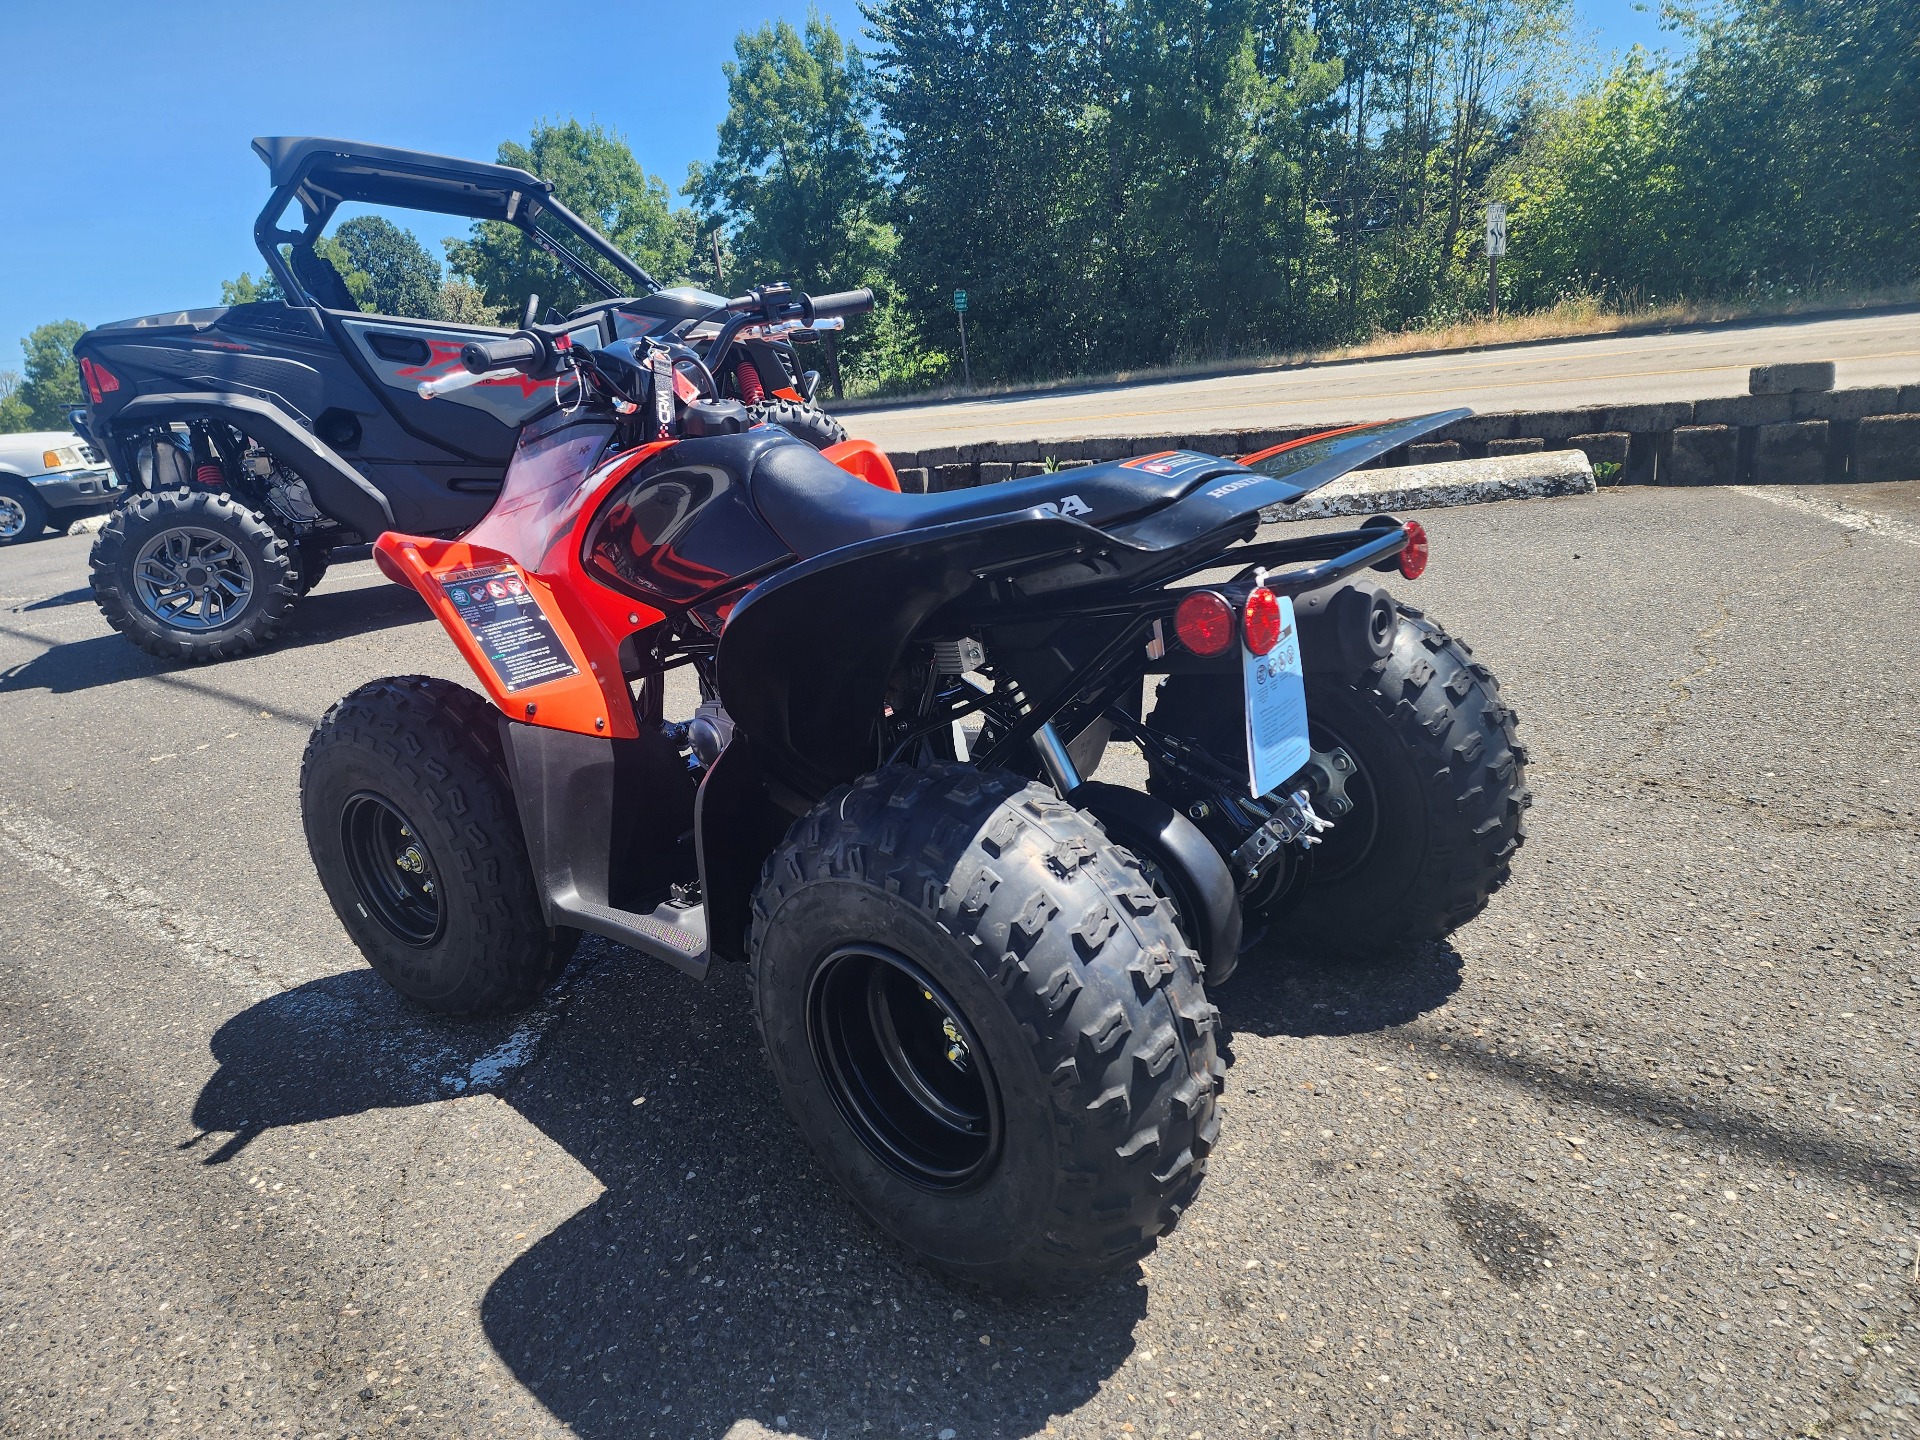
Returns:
(320, 280)
(815, 506)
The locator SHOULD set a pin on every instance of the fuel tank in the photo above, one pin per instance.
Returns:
(682, 529)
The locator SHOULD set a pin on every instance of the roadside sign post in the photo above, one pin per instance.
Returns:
(960, 309)
(1496, 247)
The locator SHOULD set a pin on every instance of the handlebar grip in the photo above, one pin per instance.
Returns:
(842, 302)
(516, 352)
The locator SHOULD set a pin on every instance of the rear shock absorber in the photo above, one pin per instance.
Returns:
(746, 376)
(206, 465)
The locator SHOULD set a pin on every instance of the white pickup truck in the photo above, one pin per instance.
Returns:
(50, 477)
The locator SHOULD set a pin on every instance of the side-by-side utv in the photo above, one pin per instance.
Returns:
(255, 439)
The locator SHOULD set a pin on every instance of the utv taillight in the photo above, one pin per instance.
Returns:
(101, 382)
(1413, 559)
(1204, 623)
(1261, 617)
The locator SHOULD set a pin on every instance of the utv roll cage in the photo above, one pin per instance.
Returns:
(324, 174)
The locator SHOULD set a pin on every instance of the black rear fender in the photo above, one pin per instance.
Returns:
(337, 488)
(803, 669)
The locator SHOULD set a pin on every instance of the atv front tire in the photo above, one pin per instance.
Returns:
(986, 1025)
(1438, 800)
(193, 575)
(804, 422)
(411, 822)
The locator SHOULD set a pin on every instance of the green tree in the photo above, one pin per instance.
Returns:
(14, 415)
(1799, 132)
(1595, 207)
(594, 173)
(402, 278)
(245, 290)
(461, 303)
(51, 379)
(796, 182)
(796, 176)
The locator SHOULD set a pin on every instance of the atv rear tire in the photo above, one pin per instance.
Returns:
(193, 575)
(23, 514)
(411, 822)
(986, 1024)
(1438, 799)
(804, 422)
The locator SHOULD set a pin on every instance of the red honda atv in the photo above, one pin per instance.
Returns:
(976, 973)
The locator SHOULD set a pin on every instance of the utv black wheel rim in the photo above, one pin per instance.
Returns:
(392, 870)
(904, 1068)
(192, 579)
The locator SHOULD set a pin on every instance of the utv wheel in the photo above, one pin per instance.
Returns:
(193, 575)
(986, 1025)
(411, 822)
(1437, 801)
(23, 515)
(311, 558)
(804, 422)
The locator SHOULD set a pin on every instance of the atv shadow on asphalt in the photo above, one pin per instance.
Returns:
(1278, 993)
(720, 1275)
(322, 617)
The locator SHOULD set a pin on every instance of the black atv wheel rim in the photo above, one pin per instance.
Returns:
(904, 1068)
(192, 579)
(1350, 841)
(13, 517)
(392, 871)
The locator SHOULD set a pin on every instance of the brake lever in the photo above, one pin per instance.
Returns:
(458, 380)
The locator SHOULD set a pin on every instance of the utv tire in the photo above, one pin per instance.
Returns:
(986, 1025)
(23, 514)
(804, 422)
(193, 575)
(1439, 798)
(311, 559)
(411, 822)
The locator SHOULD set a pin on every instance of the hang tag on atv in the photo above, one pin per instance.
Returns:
(504, 616)
(662, 395)
(1276, 687)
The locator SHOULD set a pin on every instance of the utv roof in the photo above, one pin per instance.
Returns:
(323, 174)
(405, 179)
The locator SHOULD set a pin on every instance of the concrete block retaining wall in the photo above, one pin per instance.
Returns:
(1804, 437)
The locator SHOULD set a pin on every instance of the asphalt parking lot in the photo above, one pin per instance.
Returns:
(1638, 1153)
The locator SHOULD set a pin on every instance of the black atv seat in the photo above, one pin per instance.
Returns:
(815, 506)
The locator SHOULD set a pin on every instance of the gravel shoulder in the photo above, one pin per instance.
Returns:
(1635, 1154)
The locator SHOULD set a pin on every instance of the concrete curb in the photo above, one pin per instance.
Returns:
(92, 525)
(1452, 482)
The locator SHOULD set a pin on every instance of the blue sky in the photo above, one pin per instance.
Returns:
(131, 184)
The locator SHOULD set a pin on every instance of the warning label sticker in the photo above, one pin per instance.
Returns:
(506, 620)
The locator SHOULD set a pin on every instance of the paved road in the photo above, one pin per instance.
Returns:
(1636, 1153)
(1870, 350)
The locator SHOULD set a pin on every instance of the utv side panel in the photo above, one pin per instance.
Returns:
(336, 487)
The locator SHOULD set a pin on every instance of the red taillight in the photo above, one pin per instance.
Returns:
(1413, 559)
(101, 381)
(1204, 623)
(1262, 620)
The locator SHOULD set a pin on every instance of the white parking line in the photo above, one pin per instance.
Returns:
(1848, 517)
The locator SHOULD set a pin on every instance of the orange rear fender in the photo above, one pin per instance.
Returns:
(539, 659)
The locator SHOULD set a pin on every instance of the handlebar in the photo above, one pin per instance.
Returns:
(516, 352)
(842, 302)
(774, 303)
